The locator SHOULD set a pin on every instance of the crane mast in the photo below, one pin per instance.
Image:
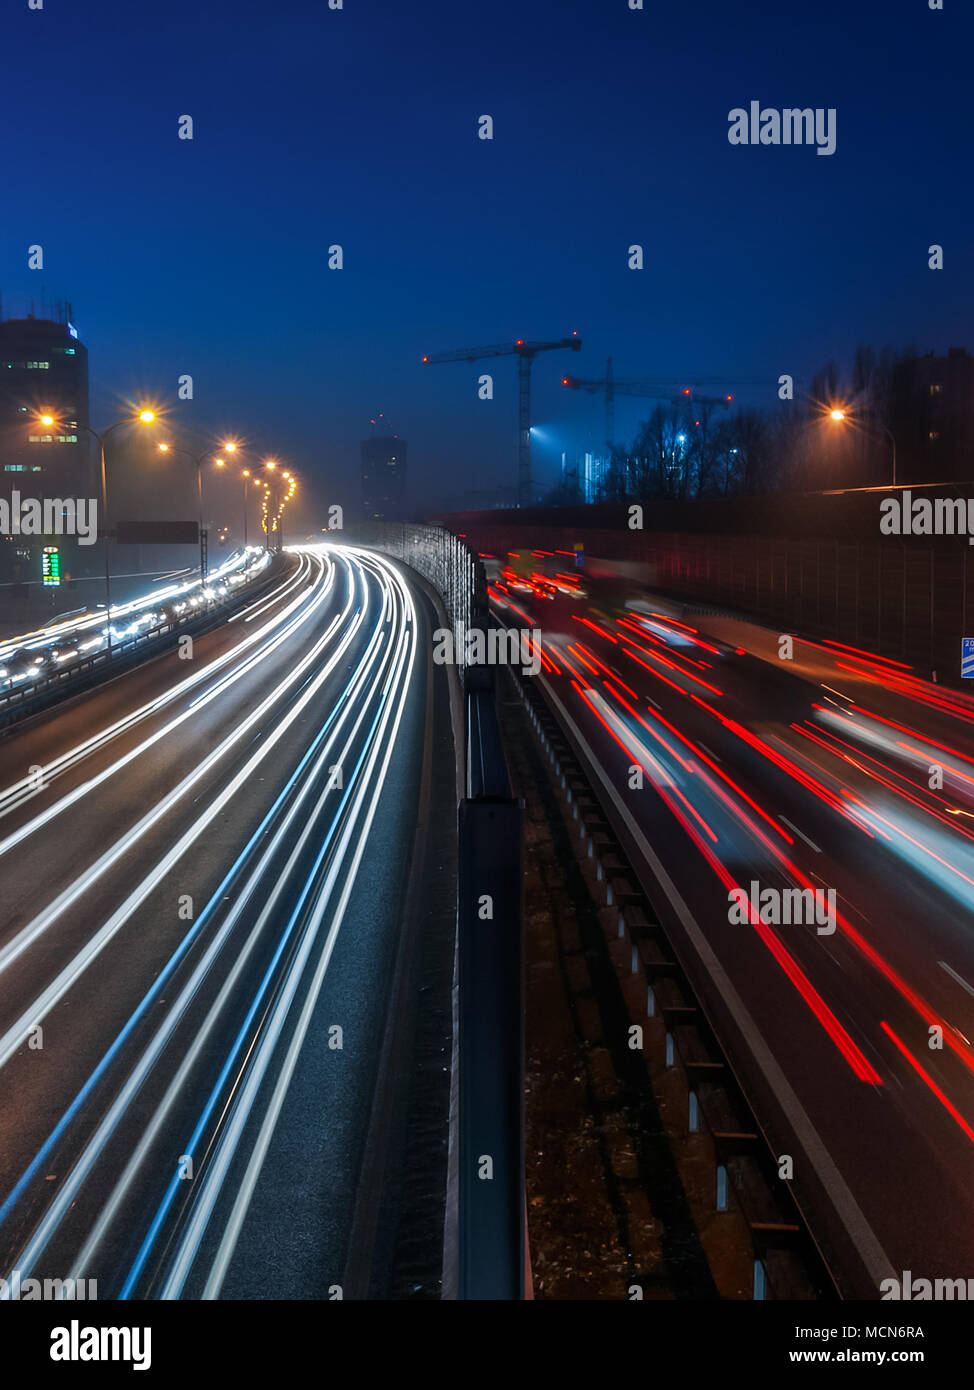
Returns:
(525, 352)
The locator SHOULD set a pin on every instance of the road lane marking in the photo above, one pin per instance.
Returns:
(801, 833)
(954, 976)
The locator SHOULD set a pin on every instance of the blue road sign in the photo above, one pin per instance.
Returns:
(967, 657)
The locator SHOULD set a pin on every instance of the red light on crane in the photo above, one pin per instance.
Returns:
(686, 390)
(730, 398)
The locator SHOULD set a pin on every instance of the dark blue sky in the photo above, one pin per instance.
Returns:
(360, 127)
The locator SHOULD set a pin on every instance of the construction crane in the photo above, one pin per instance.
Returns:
(651, 390)
(525, 352)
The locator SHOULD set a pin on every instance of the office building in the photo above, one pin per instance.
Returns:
(384, 478)
(43, 367)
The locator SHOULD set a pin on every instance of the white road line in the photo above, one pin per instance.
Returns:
(954, 976)
(794, 827)
(709, 751)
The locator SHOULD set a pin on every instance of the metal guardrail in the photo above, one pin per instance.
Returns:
(490, 953)
(490, 946)
(491, 1050)
(78, 675)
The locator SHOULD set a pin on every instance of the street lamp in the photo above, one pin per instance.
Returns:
(230, 446)
(146, 417)
(246, 482)
(245, 475)
(198, 460)
(839, 415)
(282, 496)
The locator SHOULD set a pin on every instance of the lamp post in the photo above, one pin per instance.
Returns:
(839, 416)
(198, 460)
(252, 477)
(283, 494)
(271, 466)
(292, 484)
(231, 448)
(146, 417)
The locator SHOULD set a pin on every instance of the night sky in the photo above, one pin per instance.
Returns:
(359, 127)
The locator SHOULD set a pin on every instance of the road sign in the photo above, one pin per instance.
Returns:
(967, 656)
(51, 567)
(579, 555)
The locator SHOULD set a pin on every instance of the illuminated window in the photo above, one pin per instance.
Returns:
(934, 434)
(935, 389)
(15, 468)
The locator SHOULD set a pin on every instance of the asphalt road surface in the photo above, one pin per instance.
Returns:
(828, 770)
(202, 865)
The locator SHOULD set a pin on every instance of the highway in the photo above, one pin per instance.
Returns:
(64, 640)
(831, 770)
(202, 864)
